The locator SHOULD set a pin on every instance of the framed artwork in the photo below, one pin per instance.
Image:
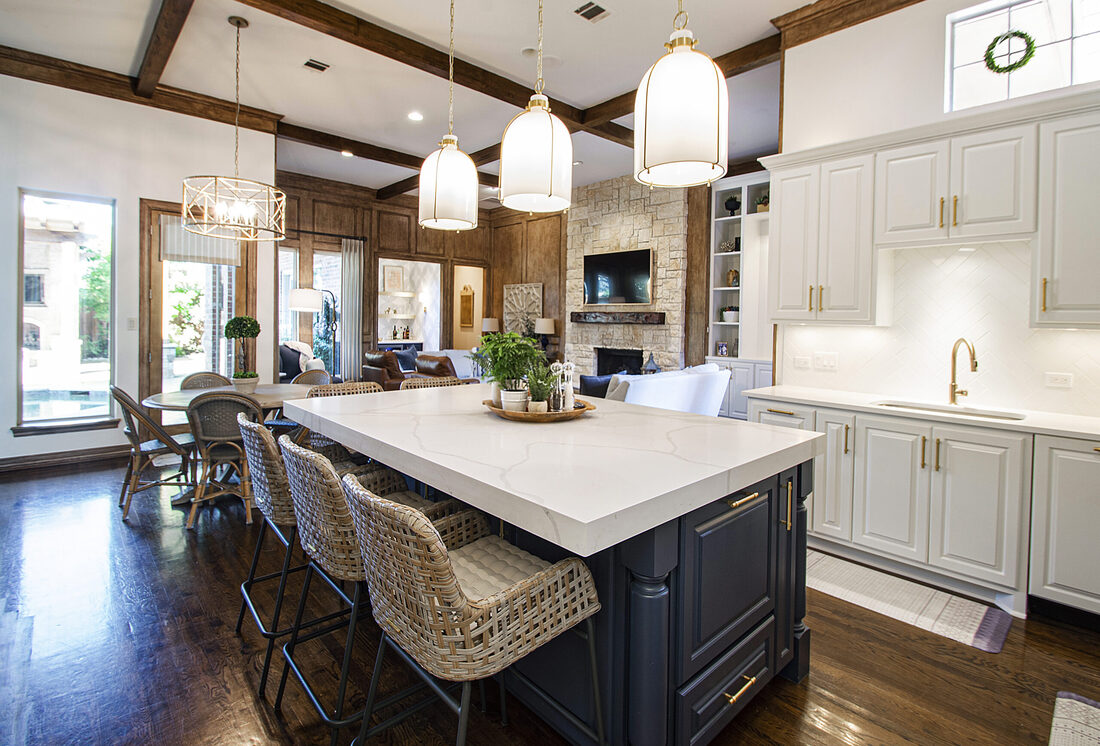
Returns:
(521, 302)
(466, 308)
(723, 349)
(393, 278)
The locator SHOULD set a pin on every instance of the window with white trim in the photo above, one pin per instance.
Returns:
(988, 43)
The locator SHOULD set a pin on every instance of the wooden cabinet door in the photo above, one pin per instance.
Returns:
(834, 472)
(1066, 291)
(911, 186)
(781, 414)
(845, 249)
(890, 502)
(1065, 552)
(792, 276)
(993, 182)
(979, 479)
(741, 380)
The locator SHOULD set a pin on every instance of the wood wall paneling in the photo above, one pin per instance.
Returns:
(508, 248)
(395, 232)
(697, 276)
(334, 217)
(542, 262)
(432, 242)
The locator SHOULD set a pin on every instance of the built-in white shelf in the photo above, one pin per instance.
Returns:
(728, 288)
(398, 293)
(398, 316)
(727, 253)
(726, 323)
(728, 218)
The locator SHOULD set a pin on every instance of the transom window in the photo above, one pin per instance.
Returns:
(1063, 35)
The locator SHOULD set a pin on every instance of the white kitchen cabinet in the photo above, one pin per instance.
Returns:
(911, 186)
(979, 482)
(762, 375)
(742, 378)
(1065, 551)
(781, 414)
(845, 251)
(890, 502)
(1066, 291)
(834, 475)
(993, 182)
(792, 275)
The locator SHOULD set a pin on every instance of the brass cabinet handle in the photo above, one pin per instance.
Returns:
(749, 681)
(790, 489)
(810, 307)
(845, 438)
(820, 297)
(955, 210)
(941, 212)
(1096, 449)
(781, 411)
(923, 443)
(937, 454)
(743, 500)
(1044, 295)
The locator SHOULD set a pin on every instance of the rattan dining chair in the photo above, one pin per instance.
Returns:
(318, 377)
(213, 419)
(142, 452)
(206, 379)
(460, 604)
(327, 535)
(431, 382)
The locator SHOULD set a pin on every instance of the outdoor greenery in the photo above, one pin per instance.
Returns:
(322, 335)
(507, 357)
(95, 303)
(242, 328)
(540, 380)
(185, 329)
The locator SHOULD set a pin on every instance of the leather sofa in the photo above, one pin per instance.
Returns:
(384, 369)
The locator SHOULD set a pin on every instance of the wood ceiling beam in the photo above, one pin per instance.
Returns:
(352, 29)
(44, 69)
(479, 157)
(829, 16)
(746, 166)
(166, 30)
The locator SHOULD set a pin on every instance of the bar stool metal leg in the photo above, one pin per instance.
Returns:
(278, 608)
(251, 573)
(294, 633)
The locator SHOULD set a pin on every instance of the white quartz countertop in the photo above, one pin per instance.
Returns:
(1040, 423)
(585, 484)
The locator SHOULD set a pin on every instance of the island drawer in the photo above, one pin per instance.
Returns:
(712, 699)
(728, 559)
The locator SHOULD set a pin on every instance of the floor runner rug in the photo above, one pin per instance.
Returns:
(1076, 721)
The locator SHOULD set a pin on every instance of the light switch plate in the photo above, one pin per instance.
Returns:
(825, 360)
(1058, 380)
(802, 362)
(131, 324)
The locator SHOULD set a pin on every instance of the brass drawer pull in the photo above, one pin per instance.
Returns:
(955, 210)
(937, 454)
(820, 297)
(1096, 449)
(923, 443)
(1044, 295)
(749, 681)
(781, 411)
(941, 212)
(811, 306)
(790, 488)
(845, 438)
(743, 500)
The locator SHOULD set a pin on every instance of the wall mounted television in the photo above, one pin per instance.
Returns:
(618, 277)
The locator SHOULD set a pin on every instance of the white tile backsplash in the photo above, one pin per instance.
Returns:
(941, 294)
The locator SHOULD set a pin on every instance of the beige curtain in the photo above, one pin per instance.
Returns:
(178, 245)
(351, 315)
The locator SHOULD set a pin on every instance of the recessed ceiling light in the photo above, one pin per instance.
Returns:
(548, 60)
(346, 153)
(416, 116)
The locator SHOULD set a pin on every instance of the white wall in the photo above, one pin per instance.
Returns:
(941, 294)
(466, 339)
(882, 75)
(58, 140)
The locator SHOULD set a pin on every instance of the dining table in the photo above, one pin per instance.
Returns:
(269, 396)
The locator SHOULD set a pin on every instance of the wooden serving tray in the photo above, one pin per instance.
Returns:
(580, 407)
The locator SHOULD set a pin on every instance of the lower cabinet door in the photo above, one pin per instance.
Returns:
(979, 478)
(1065, 551)
(834, 472)
(741, 380)
(786, 544)
(707, 704)
(890, 505)
(728, 570)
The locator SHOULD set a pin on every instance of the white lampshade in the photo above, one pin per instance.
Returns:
(448, 189)
(544, 326)
(536, 160)
(489, 324)
(305, 299)
(681, 119)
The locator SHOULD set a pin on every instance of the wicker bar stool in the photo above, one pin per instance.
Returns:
(272, 496)
(213, 419)
(327, 535)
(431, 382)
(313, 378)
(206, 379)
(461, 605)
(317, 442)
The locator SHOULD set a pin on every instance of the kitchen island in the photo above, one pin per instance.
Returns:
(693, 527)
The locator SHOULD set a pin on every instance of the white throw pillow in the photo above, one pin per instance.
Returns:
(314, 364)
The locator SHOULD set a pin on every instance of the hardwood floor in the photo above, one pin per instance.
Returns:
(123, 633)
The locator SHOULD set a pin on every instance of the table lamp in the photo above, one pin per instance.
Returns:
(489, 325)
(544, 328)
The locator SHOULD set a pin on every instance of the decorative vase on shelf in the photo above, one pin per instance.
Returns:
(733, 205)
(729, 316)
(732, 278)
(514, 401)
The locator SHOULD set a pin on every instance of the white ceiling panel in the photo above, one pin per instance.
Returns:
(328, 164)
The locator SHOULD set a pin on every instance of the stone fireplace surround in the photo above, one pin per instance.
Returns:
(619, 215)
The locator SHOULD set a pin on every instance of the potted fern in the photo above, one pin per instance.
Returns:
(508, 357)
(241, 328)
(540, 382)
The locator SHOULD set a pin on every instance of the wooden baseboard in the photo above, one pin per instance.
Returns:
(64, 458)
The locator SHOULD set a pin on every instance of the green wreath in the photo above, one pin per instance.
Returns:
(1029, 52)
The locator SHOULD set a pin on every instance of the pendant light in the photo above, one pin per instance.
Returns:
(536, 155)
(228, 206)
(448, 178)
(681, 116)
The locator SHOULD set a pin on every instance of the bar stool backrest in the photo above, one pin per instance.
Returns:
(206, 379)
(347, 388)
(313, 377)
(265, 468)
(431, 382)
(325, 528)
(135, 418)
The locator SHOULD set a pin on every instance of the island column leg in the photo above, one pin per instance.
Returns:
(799, 667)
(650, 558)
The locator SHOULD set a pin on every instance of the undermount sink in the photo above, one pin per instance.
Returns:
(993, 414)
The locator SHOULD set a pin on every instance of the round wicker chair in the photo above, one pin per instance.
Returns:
(213, 419)
(327, 534)
(431, 382)
(318, 377)
(207, 379)
(460, 604)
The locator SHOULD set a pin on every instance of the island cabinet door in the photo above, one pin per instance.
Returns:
(786, 567)
(728, 562)
(890, 505)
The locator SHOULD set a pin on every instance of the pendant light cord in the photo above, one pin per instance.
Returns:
(237, 112)
(680, 20)
(451, 76)
(538, 80)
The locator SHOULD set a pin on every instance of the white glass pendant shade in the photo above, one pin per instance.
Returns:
(681, 119)
(448, 189)
(536, 161)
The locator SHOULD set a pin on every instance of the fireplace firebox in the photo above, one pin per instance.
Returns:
(618, 361)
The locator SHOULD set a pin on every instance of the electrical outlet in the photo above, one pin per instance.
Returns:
(131, 324)
(1058, 380)
(802, 362)
(825, 360)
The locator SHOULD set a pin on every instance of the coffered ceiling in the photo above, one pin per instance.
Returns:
(367, 97)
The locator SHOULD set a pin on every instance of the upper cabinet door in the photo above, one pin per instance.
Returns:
(845, 253)
(911, 193)
(792, 276)
(1066, 290)
(993, 182)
